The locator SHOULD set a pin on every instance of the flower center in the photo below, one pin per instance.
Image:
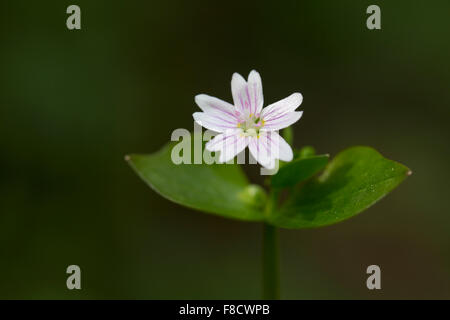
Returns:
(251, 125)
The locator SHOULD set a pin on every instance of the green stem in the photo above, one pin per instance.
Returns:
(288, 135)
(271, 286)
(271, 281)
(271, 272)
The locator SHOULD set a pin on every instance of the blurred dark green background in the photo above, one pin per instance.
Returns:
(73, 103)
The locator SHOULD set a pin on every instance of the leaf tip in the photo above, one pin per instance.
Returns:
(409, 173)
(127, 158)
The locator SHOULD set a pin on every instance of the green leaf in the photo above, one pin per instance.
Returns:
(353, 181)
(221, 189)
(298, 170)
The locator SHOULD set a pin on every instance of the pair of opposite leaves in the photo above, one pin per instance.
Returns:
(350, 183)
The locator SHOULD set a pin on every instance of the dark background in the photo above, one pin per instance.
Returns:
(73, 103)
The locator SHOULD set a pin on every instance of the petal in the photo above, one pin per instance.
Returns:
(212, 105)
(262, 152)
(247, 97)
(269, 147)
(283, 150)
(229, 144)
(281, 107)
(216, 144)
(214, 122)
(282, 121)
(256, 92)
(238, 90)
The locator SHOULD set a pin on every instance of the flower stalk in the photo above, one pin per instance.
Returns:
(271, 277)
(271, 272)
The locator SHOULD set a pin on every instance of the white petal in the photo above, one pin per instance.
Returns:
(282, 121)
(214, 122)
(281, 107)
(256, 92)
(262, 152)
(229, 144)
(214, 106)
(269, 147)
(283, 150)
(216, 144)
(247, 97)
(238, 90)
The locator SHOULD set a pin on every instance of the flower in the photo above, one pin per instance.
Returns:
(246, 123)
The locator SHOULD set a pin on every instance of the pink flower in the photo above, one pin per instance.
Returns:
(246, 123)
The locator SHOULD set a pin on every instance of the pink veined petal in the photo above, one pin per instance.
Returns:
(256, 92)
(214, 122)
(282, 121)
(216, 144)
(229, 145)
(215, 106)
(282, 107)
(283, 150)
(247, 96)
(238, 90)
(262, 151)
